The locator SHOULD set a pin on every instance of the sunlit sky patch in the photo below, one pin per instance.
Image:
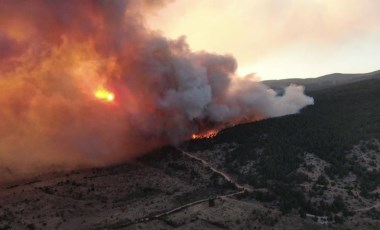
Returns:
(280, 38)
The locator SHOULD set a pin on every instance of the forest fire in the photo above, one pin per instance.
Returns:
(104, 95)
(208, 134)
(54, 62)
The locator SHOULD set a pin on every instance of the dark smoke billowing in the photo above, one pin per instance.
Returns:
(54, 54)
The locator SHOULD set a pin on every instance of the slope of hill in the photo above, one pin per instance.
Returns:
(331, 80)
(319, 167)
(324, 157)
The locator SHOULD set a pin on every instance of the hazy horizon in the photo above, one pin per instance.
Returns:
(280, 39)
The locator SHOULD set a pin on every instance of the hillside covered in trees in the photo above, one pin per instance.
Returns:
(318, 168)
(304, 159)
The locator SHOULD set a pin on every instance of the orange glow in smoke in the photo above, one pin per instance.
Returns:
(104, 95)
(208, 134)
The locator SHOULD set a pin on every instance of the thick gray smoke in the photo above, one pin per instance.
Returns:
(85, 83)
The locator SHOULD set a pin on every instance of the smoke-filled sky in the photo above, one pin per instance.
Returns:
(87, 83)
(281, 38)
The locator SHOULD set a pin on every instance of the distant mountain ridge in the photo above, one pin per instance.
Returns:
(323, 82)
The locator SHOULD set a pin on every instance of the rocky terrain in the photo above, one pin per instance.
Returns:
(315, 170)
(123, 197)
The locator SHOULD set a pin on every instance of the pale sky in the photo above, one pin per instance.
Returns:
(280, 38)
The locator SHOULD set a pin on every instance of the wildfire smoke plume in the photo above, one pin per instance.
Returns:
(60, 61)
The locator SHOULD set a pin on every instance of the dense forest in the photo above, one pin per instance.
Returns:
(341, 117)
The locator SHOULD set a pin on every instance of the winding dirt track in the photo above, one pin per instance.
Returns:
(367, 208)
(224, 175)
(242, 188)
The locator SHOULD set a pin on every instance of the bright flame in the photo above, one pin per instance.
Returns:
(104, 95)
(207, 134)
